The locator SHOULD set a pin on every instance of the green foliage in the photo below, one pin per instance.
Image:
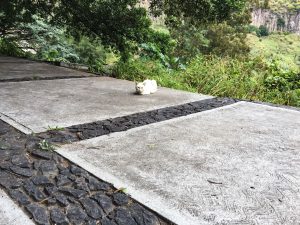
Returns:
(10, 48)
(56, 128)
(161, 48)
(280, 23)
(153, 52)
(204, 49)
(162, 41)
(51, 43)
(190, 41)
(46, 146)
(226, 41)
(141, 69)
(282, 79)
(206, 26)
(285, 49)
(14, 12)
(262, 31)
(118, 24)
(252, 29)
(129, 28)
(241, 78)
(91, 53)
(196, 11)
(279, 6)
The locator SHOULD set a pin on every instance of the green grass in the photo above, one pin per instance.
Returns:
(55, 128)
(46, 146)
(252, 79)
(284, 48)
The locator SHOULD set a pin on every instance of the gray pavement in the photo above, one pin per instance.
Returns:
(238, 164)
(10, 213)
(18, 68)
(33, 106)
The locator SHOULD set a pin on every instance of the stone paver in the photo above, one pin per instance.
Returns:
(18, 68)
(36, 105)
(10, 213)
(238, 164)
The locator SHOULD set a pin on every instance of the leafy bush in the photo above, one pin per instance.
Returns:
(162, 41)
(90, 52)
(190, 41)
(10, 48)
(51, 43)
(226, 40)
(262, 31)
(280, 23)
(47, 41)
(283, 80)
(252, 29)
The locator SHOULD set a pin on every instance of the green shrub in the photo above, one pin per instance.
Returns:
(281, 79)
(90, 52)
(10, 48)
(52, 43)
(162, 41)
(280, 23)
(262, 31)
(252, 29)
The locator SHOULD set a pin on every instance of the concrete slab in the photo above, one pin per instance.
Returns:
(17, 68)
(238, 164)
(10, 213)
(39, 104)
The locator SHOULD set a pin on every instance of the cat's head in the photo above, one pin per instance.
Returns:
(139, 87)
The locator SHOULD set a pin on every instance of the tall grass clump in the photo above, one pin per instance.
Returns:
(241, 78)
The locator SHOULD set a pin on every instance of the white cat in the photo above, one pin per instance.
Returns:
(146, 88)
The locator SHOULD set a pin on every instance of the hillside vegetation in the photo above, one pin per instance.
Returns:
(283, 47)
(281, 5)
(205, 46)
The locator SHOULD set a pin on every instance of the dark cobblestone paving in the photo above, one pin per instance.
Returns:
(95, 129)
(54, 191)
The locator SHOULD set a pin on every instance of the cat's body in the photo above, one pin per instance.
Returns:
(146, 88)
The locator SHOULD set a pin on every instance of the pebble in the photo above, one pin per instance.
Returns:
(92, 208)
(120, 198)
(58, 217)
(76, 214)
(20, 197)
